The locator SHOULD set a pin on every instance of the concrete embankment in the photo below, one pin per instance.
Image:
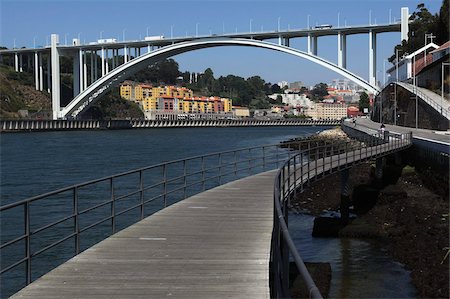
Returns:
(62, 125)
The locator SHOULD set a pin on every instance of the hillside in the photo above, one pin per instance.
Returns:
(17, 92)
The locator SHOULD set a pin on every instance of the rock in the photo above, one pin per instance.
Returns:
(326, 227)
(391, 193)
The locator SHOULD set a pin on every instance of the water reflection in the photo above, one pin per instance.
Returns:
(360, 267)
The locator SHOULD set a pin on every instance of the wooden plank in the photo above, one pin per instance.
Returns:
(212, 245)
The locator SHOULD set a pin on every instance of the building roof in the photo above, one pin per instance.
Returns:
(443, 47)
(424, 48)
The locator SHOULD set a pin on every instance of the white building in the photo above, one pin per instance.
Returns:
(405, 65)
(293, 99)
(283, 84)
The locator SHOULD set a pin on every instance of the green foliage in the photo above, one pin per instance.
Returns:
(423, 22)
(319, 91)
(363, 101)
(112, 106)
(162, 72)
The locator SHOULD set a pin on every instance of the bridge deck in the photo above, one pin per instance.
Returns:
(213, 245)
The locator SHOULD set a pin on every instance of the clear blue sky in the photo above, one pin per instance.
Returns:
(29, 21)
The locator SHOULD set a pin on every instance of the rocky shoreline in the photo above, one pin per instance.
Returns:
(411, 220)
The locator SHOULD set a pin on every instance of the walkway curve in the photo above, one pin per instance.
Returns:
(212, 245)
(94, 92)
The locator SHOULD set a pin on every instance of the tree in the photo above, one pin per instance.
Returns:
(363, 101)
(423, 22)
(276, 88)
(319, 91)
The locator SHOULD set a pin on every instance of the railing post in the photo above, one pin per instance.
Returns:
(331, 157)
(203, 173)
(113, 206)
(220, 169)
(27, 242)
(141, 192)
(184, 179)
(76, 224)
(289, 182)
(165, 184)
(309, 161)
(264, 158)
(324, 151)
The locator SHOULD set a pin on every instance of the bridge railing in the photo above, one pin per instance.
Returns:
(313, 162)
(43, 231)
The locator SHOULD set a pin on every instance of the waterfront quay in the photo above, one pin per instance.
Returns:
(61, 125)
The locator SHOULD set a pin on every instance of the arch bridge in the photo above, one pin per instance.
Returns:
(90, 82)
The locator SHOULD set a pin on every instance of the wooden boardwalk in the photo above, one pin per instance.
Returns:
(213, 245)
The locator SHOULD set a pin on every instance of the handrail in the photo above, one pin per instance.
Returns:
(161, 184)
(311, 164)
(214, 169)
(417, 90)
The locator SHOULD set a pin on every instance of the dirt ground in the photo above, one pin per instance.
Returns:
(410, 219)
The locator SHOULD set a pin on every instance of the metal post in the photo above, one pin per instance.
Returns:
(27, 243)
(113, 206)
(165, 184)
(141, 192)
(76, 224)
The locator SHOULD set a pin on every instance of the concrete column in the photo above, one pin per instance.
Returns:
(92, 67)
(56, 96)
(21, 63)
(16, 62)
(286, 42)
(76, 74)
(95, 66)
(280, 40)
(80, 72)
(49, 71)
(103, 61)
(41, 73)
(345, 196)
(148, 48)
(36, 70)
(139, 52)
(404, 23)
(372, 57)
(125, 54)
(342, 50)
(85, 71)
(106, 62)
(314, 45)
(113, 59)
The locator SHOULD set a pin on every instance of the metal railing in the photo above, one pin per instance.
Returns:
(74, 218)
(417, 91)
(64, 216)
(312, 163)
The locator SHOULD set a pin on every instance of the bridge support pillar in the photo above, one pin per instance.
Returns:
(76, 74)
(103, 61)
(106, 62)
(49, 72)
(85, 77)
(36, 70)
(379, 169)
(41, 73)
(21, 63)
(56, 95)
(372, 57)
(16, 62)
(92, 66)
(345, 196)
(95, 66)
(125, 54)
(404, 23)
(342, 50)
(81, 71)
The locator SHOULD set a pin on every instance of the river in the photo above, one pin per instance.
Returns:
(34, 163)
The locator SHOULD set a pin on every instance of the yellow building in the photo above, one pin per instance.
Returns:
(126, 91)
(149, 104)
(142, 91)
(327, 111)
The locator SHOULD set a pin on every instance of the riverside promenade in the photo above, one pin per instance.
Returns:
(212, 245)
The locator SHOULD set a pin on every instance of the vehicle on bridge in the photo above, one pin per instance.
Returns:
(106, 40)
(154, 37)
(323, 26)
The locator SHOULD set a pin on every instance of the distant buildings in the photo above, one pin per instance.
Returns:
(172, 103)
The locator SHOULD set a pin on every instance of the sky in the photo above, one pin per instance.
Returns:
(29, 22)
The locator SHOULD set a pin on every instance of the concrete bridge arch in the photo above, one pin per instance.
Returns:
(95, 91)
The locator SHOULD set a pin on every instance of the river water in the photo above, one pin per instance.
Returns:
(34, 163)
